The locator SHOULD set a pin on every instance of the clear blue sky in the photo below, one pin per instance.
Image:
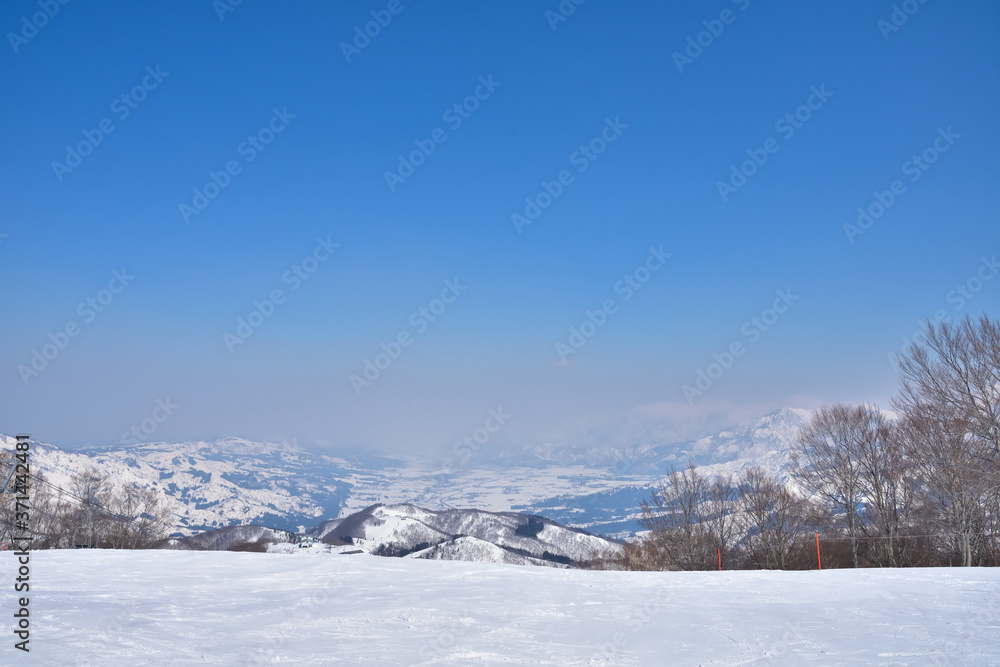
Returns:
(550, 92)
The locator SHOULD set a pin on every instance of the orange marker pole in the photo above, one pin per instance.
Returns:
(819, 561)
(720, 559)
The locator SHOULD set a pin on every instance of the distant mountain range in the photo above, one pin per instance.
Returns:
(238, 482)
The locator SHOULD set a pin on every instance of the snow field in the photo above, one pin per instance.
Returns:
(221, 608)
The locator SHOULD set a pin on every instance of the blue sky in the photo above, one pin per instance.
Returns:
(554, 86)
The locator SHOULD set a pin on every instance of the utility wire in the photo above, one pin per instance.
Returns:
(86, 501)
(862, 538)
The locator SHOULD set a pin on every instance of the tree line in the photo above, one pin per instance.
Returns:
(915, 486)
(92, 511)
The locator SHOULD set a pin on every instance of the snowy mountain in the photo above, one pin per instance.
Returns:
(462, 534)
(411, 531)
(476, 550)
(239, 482)
(764, 442)
(208, 485)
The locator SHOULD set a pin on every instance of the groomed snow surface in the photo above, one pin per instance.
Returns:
(221, 608)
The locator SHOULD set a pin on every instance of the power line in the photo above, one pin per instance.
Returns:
(862, 538)
(81, 500)
(86, 501)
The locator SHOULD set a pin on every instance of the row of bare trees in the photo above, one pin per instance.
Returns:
(917, 486)
(90, 511)
(752, 520)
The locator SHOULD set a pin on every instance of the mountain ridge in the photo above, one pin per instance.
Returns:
(237, 481)
(406, 530)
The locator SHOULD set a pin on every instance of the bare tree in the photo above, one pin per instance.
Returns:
(775, 520)
(719, 513)
(950, 397)
(138, 517)
(959, 483)
(51, 515)
(673, 515)
(851, 459)
(93, 512)
(690, 519)
(825, 461)
(89, 487)
(956, 373)
(888, 487)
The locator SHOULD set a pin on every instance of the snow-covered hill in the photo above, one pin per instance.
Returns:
(95, 607)
(763, 442)
(235, 481)
(399, 530)
(230, 538)
(476, 550)
(208, 485)
(407, 530)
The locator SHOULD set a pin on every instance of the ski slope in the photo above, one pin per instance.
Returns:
(221, 608)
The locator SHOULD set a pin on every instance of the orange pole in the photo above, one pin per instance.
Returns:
(819, 561)
(720, 559)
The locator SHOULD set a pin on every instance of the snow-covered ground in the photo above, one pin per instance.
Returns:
(221, 608)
